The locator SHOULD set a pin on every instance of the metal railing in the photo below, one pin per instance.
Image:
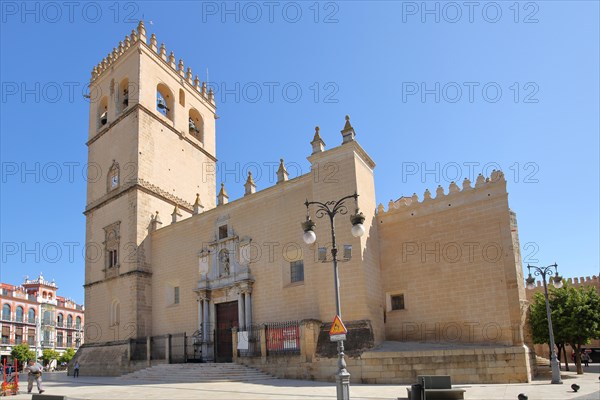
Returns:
(283, 337)
(252, 336)
(18, 320)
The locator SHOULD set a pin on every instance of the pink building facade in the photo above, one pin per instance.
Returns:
(34, 313)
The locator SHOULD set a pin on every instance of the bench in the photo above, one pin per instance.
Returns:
(438, 387)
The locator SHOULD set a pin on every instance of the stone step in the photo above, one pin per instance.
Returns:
(205, 372)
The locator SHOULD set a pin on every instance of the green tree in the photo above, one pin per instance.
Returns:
(49, 355)
(575, 318)
(22, 353)
(67, 356)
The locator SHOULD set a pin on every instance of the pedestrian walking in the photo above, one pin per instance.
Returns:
(585, 358)
(34, 373)
(76, 370)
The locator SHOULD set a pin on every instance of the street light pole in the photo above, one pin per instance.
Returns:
(331, 209)
(557, 281)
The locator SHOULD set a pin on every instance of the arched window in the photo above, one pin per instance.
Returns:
(69, 321)
(115, 313)
(44, 294)
(103, 112)
(60, 320)
(19, 314)
(49, 295)
(182, 97)
(224, 263)
(31, 316)
(164, 100)
(78, 322)
(113, 176)
(123, 95)
(196, 124)
(6, 312)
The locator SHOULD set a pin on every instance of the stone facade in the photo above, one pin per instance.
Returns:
(170, 258)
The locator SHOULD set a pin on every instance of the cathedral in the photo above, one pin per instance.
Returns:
(173, 264)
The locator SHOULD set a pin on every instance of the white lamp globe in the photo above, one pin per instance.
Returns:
(309, 237)
(358, 230)
(558, 283)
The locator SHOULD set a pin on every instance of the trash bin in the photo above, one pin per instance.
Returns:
(416, 392)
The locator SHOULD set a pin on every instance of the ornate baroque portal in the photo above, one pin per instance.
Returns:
(224, 270)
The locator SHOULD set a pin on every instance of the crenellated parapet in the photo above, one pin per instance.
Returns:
(484, 187)
(138, 37)
(576, 282)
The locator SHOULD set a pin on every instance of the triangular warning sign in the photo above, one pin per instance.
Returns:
(338, 328)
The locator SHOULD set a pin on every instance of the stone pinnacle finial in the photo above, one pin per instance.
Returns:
(155, 222)
(153, 43)
(317, 136)
(223, 197)
(347, 125)
(282, 174)
(172, 60)
(181, 67)
(141, 31)
(175, 214)
(348, 132)
(198, 205)
(163, 52)
(249, 186)
(318, 145)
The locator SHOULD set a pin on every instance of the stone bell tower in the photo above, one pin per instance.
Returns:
(151, 150)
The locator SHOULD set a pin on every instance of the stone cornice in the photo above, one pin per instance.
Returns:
(144, 186)
(134, 272)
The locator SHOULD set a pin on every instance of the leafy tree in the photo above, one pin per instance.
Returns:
(67, 356)
(49, 355)
(575, 318)
(22, 353)
(582, 317)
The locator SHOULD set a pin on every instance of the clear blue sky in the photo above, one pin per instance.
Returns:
(517, 88)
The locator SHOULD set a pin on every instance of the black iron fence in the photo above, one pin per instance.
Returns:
(251, 339)
(158, 347)
(283, 337)
(139, 349)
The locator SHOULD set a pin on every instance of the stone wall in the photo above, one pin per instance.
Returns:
(475, 366)
(452, 258)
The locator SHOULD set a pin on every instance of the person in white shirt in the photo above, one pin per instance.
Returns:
(34, 373)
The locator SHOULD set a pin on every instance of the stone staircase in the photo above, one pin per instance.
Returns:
(194, 373)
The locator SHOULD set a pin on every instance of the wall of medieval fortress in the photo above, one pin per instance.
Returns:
(452, 257)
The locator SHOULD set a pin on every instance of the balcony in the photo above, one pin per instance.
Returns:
(47, 343)
(16, 320)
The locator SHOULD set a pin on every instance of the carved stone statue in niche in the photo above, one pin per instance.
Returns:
(224, 264)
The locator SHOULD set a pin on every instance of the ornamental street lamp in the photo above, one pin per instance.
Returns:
(331, 209)
(557, 282)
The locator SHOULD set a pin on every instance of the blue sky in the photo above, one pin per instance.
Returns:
(436, 91)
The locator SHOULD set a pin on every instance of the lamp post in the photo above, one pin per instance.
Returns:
(331, 209)
(557, 282)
